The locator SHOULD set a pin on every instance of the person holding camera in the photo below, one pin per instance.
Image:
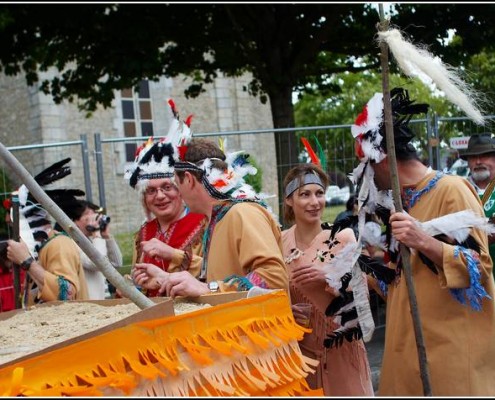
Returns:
(96, 226)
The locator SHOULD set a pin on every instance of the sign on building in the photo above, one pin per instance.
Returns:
(460, 142)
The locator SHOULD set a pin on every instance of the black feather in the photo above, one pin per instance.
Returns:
(346, 222)
(336, 339)
(326, 226)
(53, 173)
(349, 315)
(383, 213)
(338, 302)
(469, 243)
(376, 269)
(426, 261)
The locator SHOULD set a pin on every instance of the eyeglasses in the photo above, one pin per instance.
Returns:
(165, 189)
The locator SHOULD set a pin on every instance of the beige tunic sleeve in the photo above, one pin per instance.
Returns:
(61, 257)
(248, 241)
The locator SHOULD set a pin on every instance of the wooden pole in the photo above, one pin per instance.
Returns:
(394, 176)
(15, 236)
(84, 243)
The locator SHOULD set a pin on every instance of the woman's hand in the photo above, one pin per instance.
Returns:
(306, 274)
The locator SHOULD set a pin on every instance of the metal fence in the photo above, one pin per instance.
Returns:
(100, 170)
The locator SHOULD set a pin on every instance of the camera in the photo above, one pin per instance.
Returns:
(104, 221)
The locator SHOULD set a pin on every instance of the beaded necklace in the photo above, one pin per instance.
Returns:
(412, 196)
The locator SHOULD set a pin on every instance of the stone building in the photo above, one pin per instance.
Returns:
(29, 118)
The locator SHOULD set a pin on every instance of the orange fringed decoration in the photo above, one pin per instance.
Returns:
(246, 347)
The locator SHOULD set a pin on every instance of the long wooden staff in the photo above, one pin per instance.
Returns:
(51, 207)
(16, 236)
(392, 162)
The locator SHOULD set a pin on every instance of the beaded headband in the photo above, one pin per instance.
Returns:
(296, 183)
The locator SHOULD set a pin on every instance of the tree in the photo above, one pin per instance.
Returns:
(286, 47)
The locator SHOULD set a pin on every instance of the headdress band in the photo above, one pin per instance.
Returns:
(156, 175)
(188, 166)
(297, 182)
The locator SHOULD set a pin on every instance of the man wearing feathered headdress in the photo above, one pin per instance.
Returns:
(170, 237)
(445, 228)
(51, 258)
(242, 242)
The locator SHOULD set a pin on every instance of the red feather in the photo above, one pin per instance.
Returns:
(172, 106)
(363, 117)
(188, 120)
(312, 154)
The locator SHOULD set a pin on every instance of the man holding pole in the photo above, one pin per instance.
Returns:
(452, 276)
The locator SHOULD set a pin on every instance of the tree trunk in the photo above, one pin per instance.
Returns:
(286, 143)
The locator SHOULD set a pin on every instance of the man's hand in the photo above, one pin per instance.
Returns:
(406, 230)
(156, 248)
(17, 252)
(183, 284)
(149, 276)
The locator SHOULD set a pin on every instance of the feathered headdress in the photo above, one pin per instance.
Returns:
(228, 183)
(155, 160)
(34, 220)
(369, 129)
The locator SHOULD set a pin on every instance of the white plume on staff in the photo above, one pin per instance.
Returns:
(413, 60)
(457, 225)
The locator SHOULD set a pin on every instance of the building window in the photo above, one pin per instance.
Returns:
(137, 116)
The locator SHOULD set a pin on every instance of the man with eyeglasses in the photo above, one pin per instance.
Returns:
(170, 238)
(242, 245)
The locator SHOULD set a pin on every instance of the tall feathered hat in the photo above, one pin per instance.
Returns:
(34, 220)
(155, 159)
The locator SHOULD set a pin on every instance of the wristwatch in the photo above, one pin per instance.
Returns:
(26, 264)
(213, 286)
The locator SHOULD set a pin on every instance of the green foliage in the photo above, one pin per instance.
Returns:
(126, 245)
(256, 181)
(331, 212)
(355, 91)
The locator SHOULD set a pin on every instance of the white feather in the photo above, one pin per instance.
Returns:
(360, 291)
(341, 264)
(457, 225)
(415, 61)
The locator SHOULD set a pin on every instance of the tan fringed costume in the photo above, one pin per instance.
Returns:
(459, 341)
(60, 257)
(343, 371)
(259, 257)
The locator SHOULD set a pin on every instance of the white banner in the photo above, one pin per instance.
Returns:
(460, 142)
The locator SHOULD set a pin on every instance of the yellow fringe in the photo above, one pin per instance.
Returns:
(204, 353)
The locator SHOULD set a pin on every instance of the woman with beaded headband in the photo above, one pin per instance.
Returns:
(242, 242)
(343, 370)
(170, 238)
(444, 226)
